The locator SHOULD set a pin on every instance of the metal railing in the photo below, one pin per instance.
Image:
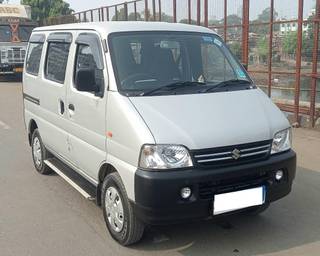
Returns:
(282, 54)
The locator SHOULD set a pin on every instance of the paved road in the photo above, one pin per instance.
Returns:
(43, 215)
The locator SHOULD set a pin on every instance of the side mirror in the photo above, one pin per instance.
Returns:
(85, 81)
(245, 66)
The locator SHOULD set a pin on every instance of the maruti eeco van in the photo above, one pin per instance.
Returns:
(158, 123)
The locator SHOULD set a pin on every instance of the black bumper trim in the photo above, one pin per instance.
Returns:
(157, 193)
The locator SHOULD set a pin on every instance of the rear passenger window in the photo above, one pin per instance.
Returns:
(57, 58)
(33, 58)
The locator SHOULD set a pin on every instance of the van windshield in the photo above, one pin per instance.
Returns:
(5, 34)
(163, 63)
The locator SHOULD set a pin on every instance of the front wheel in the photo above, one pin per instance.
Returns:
(39, 154)
(121, 222)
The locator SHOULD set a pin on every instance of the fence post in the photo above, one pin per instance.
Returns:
(102, 13)
(314, 63)
(146, 11)
(245, 31)
(298, 64)
(160, 11)
(225, 20)
(270, 47)
(125, 7)
(174, 11)
(85, 16)
(116, 12)
(135, 10)
(206, 21)
(198, 12)
(154, 9)
(189, 11)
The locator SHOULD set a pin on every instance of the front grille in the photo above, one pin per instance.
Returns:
(232, 155)
(208, 189)
(16, 55)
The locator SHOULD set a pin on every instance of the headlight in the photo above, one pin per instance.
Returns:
(281, 141)
(164, 157)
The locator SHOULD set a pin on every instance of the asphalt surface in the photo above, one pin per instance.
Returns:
(43, 215)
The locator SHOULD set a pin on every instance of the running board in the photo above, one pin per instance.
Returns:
(84, 187)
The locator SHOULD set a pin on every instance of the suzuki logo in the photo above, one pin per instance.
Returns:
(236, 154)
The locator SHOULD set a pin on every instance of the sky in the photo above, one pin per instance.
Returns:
(286, 8)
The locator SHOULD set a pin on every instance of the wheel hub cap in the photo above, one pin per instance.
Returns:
(37, 154)
(114, 209)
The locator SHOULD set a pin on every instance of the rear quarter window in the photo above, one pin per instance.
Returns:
(33, 58)
(56, 63)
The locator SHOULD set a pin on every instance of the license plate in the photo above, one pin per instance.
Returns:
(237, 200)
(18, 70)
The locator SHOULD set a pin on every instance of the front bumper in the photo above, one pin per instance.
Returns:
(157, 193)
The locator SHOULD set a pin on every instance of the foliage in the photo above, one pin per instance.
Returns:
(290, 42)
(262, 47)
(264, 17)
(235, 47)
(186, 21)
(42, 9)
(233, 19)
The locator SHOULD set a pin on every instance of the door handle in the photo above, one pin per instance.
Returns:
(61, 103)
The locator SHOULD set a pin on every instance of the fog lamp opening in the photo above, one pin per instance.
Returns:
(279, 175)
(185, 192)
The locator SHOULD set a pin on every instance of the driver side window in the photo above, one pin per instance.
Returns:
(88, 77)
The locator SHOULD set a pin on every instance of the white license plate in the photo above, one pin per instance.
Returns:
(237, 200)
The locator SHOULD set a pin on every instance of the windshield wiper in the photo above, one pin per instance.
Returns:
(226, 83)
(172, 86)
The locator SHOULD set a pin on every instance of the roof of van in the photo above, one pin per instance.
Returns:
(127, 26)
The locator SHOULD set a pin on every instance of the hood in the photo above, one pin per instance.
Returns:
(211, 120)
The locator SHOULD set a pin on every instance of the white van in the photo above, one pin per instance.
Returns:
(156, 122)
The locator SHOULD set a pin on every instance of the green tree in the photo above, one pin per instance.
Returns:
(186, 21)
(233, 19)
(42, 9)
(289, 43)
(264, 17)
(262, 47)
(166, 17)
(235, 47)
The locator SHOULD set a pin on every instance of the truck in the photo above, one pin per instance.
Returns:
(15, 29)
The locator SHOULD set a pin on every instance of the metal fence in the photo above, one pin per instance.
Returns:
(277, 39)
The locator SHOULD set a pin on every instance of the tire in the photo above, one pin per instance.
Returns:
(39, 154)
(257, 210)
(129, 229)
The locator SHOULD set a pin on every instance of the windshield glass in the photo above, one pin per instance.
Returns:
(24, 33)
(5, 34)
(145, 61)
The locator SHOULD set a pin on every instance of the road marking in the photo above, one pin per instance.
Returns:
(4, 126)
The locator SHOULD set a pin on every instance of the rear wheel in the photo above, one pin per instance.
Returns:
(39, 154)
(121, 222)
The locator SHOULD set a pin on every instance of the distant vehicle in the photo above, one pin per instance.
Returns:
(15, 30)
(158, 122)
